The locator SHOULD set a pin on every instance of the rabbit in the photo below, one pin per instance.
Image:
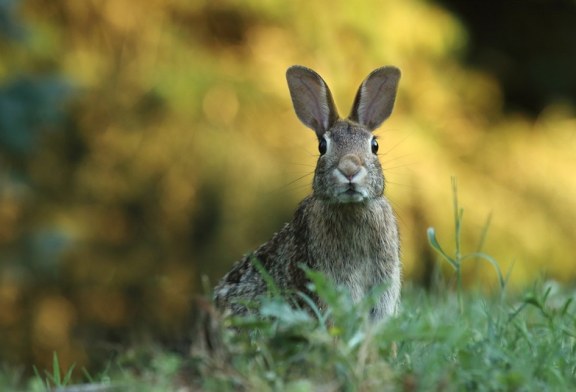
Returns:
(346, 228)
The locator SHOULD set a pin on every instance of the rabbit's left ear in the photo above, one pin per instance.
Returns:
(375, 98)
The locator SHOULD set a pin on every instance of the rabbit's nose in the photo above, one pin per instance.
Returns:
(349, 166)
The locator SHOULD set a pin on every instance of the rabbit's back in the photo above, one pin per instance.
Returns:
(279, 258)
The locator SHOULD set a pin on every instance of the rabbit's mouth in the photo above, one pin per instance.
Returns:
(351, 195)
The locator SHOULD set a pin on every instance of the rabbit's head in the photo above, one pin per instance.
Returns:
(348, 169)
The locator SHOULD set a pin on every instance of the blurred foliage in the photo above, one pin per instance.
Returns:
(142, 147)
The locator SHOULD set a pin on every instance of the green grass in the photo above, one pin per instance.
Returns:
(489, 345)
(56, 377)
(447, 340)
(522, 344)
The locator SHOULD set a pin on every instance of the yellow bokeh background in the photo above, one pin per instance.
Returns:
(187, 154)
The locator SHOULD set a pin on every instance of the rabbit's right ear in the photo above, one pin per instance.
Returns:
(311, 98)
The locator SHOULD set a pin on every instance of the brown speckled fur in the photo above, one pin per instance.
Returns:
(354, 239)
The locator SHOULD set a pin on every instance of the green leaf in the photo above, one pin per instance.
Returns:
(273, 288)
(492, 261)
(431, 232)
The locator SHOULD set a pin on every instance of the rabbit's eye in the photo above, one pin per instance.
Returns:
(374, 145)
(322, 146)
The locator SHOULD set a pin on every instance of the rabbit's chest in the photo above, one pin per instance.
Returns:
(353, 260)
(356, 259)
(355, 245)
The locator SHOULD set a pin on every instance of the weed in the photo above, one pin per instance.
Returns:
(458, 258)
(55, 377)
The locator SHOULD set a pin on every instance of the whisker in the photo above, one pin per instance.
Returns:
(395, 145)
(301, 164)
(286, 186)
(392, 159)
(301, 186)
(403, 185)
(387, 168)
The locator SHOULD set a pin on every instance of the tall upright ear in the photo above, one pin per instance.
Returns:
(311, 98)
(375, 98)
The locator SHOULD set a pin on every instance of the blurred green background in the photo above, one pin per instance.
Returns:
(144, 145)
